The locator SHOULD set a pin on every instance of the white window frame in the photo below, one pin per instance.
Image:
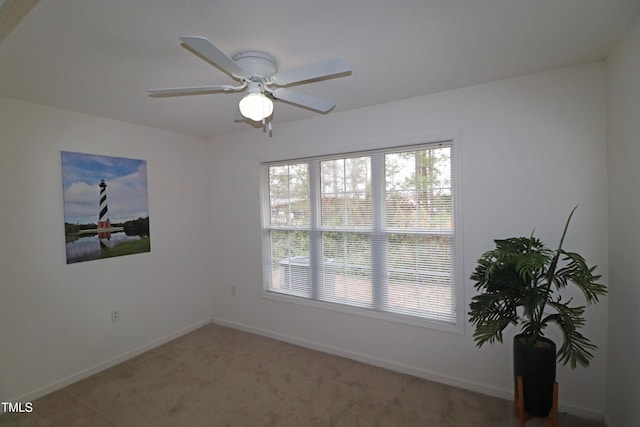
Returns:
(457, 271)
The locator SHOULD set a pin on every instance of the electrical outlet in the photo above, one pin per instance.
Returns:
(233, 291)
(115, 315)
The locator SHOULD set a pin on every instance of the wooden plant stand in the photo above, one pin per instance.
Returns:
(551, 420)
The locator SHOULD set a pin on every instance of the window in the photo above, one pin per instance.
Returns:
(373, 230)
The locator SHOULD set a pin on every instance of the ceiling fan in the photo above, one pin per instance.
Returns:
(258, 72)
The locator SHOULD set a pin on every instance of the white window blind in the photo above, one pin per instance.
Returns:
(373, 230)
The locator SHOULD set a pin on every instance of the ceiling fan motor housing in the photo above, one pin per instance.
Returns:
(258, 64)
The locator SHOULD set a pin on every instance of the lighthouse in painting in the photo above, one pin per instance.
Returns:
(104, 226)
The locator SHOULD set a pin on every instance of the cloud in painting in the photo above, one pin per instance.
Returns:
(126, 181)
(127, 196)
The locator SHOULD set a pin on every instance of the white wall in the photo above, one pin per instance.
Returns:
(623, 101)
(533, 147)
(55, 324)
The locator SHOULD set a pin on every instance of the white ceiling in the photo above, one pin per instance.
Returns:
(100, 57)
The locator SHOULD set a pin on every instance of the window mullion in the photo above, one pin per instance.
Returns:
(315, 235)
(378, 237)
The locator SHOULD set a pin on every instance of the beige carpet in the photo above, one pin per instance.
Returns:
(217, 376)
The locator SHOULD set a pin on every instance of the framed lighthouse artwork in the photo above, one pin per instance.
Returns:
(106, 206)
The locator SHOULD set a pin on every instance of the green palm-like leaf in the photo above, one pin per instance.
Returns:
(576, 349)
(530, 264)
(577, 272)
(491, 314)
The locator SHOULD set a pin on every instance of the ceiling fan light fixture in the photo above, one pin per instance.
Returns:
(256, 106)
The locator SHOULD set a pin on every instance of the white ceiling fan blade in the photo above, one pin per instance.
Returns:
(207, 51)
(303, 99)
(327, 68)
(198, 90)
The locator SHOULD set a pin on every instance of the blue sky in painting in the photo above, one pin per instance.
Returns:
(126, 181)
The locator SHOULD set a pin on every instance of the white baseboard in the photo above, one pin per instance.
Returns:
(70, 379)
(489, 390)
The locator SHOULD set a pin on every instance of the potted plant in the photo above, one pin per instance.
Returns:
(520, 283)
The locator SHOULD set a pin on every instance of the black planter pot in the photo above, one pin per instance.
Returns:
(537, 366)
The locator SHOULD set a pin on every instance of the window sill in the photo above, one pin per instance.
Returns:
(364, 312)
